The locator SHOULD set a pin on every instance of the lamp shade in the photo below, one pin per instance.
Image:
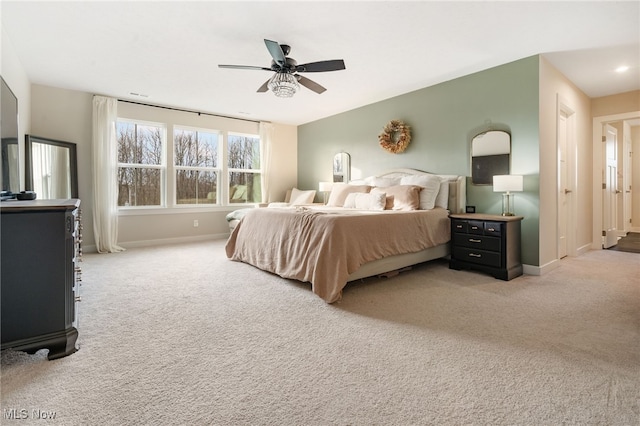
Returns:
(325, 186)
(507, 183)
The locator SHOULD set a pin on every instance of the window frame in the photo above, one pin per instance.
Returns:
(162, 167)
(230, 170)
(216, 169)
(169, 168)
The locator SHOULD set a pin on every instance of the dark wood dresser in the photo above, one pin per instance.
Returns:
(486, 243)
(40, 252)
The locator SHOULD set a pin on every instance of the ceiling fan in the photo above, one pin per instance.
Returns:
(286, 80)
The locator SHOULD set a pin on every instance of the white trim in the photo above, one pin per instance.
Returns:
(165, 241)
(571, 154)
(540, 270)
(140, 211)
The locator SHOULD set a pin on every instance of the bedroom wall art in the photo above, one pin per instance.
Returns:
(395, 137)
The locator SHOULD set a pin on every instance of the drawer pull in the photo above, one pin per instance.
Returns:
(474, 255)
(78, 299)
(474, 228)
(473, 240)
(491, 230)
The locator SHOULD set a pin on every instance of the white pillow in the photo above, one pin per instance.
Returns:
(299, 198)
(366, 201)
(382, 182)
(340, 191)
(430, 187)
(442, 200)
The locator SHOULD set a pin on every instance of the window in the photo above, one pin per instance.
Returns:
(141, 163)
(168, 166)
(196, 166)
(243, 155)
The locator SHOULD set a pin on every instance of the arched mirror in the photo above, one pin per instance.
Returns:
(51, 169)
(490, 156)
(342, 167)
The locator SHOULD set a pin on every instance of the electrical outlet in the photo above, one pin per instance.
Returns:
(195, 223)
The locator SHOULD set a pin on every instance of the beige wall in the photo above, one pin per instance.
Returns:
(615, 104)
(555, 86)
(66, 115)
(144, 227)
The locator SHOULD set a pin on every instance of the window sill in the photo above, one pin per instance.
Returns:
(145, 211)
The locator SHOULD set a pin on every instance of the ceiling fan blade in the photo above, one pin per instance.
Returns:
(321, 66)
(264, 87)
(276, 52)
(310, 84)
(244, 67)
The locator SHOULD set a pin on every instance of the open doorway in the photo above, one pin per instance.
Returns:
(616, 206)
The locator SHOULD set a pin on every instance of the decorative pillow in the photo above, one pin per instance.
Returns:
(442, 200)
(401, 197)
(430, 185)
(302, 197)
(366, 201)
(339, 193)
(382, 182)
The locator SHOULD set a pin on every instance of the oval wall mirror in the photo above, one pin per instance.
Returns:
(51, 169)
(342, 167)
(490, 155)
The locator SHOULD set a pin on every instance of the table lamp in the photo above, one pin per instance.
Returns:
(507, 184)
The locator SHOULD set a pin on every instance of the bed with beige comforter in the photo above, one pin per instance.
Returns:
(324, 246)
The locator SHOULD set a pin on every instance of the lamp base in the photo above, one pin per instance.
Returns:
(507, 204)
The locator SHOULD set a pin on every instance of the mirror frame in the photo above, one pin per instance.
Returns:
(73, 161)
(492, 160)
(10, 133)
(341, 167)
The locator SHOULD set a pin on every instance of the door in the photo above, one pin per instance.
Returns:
(610, 186)
(627, 176)
(563, 186)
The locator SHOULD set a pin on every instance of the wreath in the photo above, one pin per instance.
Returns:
(395, 137)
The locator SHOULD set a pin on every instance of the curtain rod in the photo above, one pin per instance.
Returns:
(186, 110)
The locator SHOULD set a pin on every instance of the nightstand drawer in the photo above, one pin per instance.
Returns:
(475, 227)
(459, 225)
(481, 257)
(492, 228)
(477, 241)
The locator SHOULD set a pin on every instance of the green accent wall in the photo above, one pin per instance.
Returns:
(443, 120)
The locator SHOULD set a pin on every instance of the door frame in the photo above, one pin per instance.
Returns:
(598, 172)
(571, 153)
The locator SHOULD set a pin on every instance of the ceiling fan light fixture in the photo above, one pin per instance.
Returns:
(283, 84)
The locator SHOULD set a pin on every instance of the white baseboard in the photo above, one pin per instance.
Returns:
(540, 270)
(161, 242)
(584, 249)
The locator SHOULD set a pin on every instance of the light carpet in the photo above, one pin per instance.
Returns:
(180, 335)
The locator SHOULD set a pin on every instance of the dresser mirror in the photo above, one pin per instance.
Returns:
(342, 167)
(10, 150)
(490, 156)
(51, 169)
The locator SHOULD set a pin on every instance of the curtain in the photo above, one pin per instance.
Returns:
(266, 135)
(105, 189)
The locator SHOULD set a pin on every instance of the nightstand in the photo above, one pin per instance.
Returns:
(487, 243)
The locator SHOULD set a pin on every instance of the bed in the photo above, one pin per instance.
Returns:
(352, 237)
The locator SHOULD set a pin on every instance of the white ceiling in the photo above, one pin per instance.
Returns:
(170, 50)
